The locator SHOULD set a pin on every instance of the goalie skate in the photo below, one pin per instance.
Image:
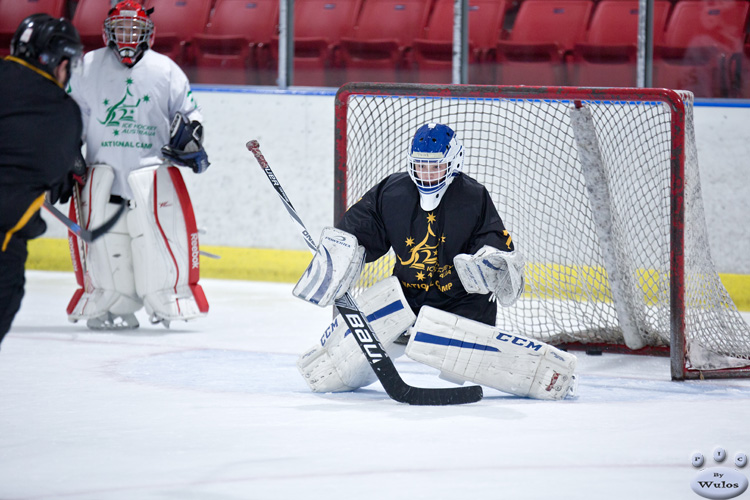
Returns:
(109, 321)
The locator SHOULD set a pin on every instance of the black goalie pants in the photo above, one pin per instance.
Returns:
(12, 264)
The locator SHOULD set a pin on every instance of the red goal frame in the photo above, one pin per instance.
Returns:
(677, 107)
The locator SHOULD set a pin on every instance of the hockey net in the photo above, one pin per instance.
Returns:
(600, 191)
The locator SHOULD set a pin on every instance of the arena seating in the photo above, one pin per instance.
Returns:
(433, 52)
(699, 40)
(12, 12)
(739, 73)
(318, 28)
(378, 46)
(89, 20)
(699, 45)
(176, 22)
(540, 41)
(608, 57)
(235, 45)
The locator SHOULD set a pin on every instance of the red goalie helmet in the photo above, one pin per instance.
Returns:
(128, 31)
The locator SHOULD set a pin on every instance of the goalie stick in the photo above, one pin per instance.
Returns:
(368, 342)
(85, 234)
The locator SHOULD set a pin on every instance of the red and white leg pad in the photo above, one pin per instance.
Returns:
(166, 254)
(105, 271)
(463, 350)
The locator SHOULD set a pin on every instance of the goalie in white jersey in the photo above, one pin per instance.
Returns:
(140, 120)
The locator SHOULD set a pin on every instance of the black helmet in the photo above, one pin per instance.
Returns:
(45, 41)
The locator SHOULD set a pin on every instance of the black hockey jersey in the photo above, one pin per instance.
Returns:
(425, 243)
(40, 136)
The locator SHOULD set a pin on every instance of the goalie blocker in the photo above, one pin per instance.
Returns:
(336, 265)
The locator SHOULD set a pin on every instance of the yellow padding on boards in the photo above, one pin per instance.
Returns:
(286, 266)
(252, 264)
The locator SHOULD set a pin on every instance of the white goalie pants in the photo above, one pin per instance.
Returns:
(150, 258)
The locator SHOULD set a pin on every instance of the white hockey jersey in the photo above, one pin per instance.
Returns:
(127, 111)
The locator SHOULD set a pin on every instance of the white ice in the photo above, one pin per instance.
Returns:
(215, 410)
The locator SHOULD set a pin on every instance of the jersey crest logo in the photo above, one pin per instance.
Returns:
(423, 258)
(423, 254)
(124, 109)
(122, 118)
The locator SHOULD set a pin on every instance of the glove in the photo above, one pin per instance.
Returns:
(492, 271)
(333, 270)
(80, 172)
(185, 148)
(63, 190)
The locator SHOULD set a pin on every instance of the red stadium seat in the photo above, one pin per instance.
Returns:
(608, 58)
(89, 20)
(699, 41)
(12, 12)
(542, 37)
(318, 28)
(433, 54)
(377, 48)
(176, 21)
(235, 46)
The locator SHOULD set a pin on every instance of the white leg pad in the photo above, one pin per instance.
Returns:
(165, 245)
(109, 284)
(463, 349)
(336, 363)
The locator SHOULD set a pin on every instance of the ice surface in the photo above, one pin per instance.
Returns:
(215, 409)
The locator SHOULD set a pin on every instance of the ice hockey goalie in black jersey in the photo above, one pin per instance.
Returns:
(40, 137)
(454, 262)
(429, 216)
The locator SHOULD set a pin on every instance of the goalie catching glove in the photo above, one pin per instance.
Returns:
(334, 268)
(185, 146)
(492, 271)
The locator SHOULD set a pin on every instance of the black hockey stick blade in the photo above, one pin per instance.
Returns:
(85, 234)
(386, 371)
(376, 356)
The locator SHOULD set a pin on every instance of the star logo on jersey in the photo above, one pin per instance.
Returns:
(123, 110)
(424, 253)
(423, 257)
(122, 117)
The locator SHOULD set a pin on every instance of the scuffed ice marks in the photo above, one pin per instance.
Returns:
(217, 370)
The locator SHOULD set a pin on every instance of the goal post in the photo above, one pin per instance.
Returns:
(599, 188)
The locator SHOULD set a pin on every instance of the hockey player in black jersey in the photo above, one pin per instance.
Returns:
(40, 127)
(454, 262)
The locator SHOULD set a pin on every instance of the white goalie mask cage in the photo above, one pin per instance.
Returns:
(435, 158)
(128, 31)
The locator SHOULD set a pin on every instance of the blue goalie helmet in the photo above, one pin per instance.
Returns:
(435, 159)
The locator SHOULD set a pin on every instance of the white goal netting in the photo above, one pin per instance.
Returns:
(591, 189)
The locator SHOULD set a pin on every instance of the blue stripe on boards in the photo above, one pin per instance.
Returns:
(238, 89)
